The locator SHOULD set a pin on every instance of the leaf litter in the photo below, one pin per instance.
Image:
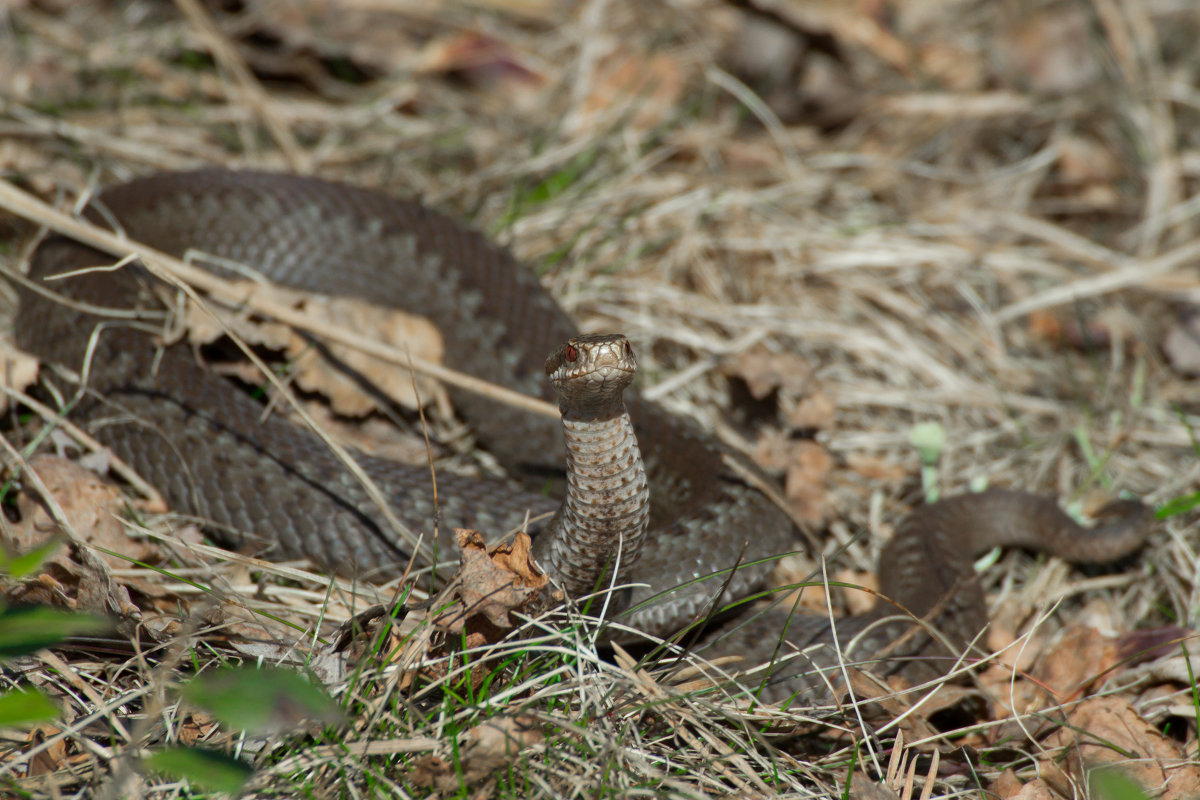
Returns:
(883, 213)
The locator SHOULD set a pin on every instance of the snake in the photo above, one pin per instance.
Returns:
(709, 534)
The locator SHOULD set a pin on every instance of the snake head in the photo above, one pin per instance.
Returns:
(589, 373)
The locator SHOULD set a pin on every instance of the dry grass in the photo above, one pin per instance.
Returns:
(938, 256)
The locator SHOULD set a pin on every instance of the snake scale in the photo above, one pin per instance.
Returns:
(274, 488)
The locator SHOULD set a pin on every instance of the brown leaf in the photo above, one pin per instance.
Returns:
(1108, 732)
(1172, 654)
(481, 59)
(375, 435)
(52, 758)
(765, 371)
(476, 607)
(952, 67)
(196, 728)
(1036, 789)
(857, 602)
(1083, 160)
(1097, 331)
(771, 58)
(317, 372)
(863, 788)
(1006, 785)
(483, 750)
(779, 385)
(427, 770)
(20, 370)
(335, 371)
(75, 576)
(795, 569)
(92, 506)
(1050, 51)
(871, 687)
(813, 411)
(490, 585)
(496, 743)
(647, 85)
(1081, 656)
(805, 481)
(202, 328)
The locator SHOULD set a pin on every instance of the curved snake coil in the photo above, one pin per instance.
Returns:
(276, 489)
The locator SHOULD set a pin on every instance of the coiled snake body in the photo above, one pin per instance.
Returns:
(271, 486)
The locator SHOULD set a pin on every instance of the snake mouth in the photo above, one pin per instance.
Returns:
(604, 380)
(605, 371)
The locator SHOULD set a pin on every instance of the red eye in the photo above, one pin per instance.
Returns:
(571, 353)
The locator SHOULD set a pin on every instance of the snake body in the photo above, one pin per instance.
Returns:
(597, 535)
(273, 487)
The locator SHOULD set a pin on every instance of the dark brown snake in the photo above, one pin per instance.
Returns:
(274, 488)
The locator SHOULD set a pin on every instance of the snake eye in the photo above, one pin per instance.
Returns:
(571, 353)
(628, 350)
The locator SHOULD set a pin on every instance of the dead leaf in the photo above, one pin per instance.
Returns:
(647, 86)
(1007, 785)
(20, 369)
(483, 60)
(314, 371)
(76, 576)
(358, 636)
(871, 687)
(857, 602)
(484, 750)
(1036, 789)
(1081, 656)
(806, 479)
(1053, 669)
(805, 465)
(474, 609)
(53, 758)
(863, 788)
(1107, 732)
(375, 435)
(765, 371)
(1169, 654)
(1096, 332)
(1058, 781)
(775, 385)
(495, 743)
(954, 68)
(795, 569)
(196, 728)
(1050, 51)
(490, 585)
(1082, 160)
(92, 506)
(335, 371)
(814, 411)
(876, 468)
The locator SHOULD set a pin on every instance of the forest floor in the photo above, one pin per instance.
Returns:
(833, 231)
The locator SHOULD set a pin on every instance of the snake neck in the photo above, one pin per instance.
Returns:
(603, 520)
